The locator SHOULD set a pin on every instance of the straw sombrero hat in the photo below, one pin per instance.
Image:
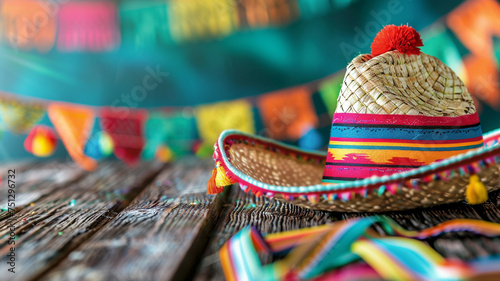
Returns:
(405, 134)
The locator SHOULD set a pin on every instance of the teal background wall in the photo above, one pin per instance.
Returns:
(244, 64)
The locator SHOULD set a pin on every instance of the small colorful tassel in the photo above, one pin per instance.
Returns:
(345, 196)
(363, 193)
(313, 198)
(393, 188)
(381, 190)
(218, 180)
(464, 171)
(476, 192)
(258, 193)
(221, 179)
(212, 185)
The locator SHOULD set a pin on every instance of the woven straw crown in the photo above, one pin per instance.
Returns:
(396, 83)
(398, 109)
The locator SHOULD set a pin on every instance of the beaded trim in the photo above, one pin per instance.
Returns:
(465, 164)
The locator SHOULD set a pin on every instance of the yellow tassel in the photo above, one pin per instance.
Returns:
(476, 192)
(211, 185)
(218, 180)
(221, 179)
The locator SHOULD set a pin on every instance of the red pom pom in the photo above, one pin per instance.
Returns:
(403, 38)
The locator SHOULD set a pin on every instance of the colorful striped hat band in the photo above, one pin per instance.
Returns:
(405, 134)
(364, 145)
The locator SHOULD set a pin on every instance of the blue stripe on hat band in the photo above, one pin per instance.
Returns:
(377, 147)
(405, 133)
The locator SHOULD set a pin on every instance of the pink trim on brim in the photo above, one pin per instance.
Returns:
(364, 172)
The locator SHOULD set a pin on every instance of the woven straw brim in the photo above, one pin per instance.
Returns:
(429, 194)
(258, 164)
(395, 83)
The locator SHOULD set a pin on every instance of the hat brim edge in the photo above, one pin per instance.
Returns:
(249, 184)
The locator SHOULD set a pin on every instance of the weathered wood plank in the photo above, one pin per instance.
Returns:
(160, 236)
(19, 168)
(34, 180)
(52, 227)
(162, 233)
(19, 165)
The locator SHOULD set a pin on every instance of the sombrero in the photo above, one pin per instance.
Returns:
(405, 134)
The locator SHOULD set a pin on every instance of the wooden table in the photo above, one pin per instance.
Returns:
(155, 222)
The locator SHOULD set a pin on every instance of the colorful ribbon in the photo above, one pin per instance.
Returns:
(315, 252)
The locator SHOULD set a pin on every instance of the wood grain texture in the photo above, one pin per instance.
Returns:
(97, 226)
(54, 225)
(160, 236)
(20, 165)
(34, 180)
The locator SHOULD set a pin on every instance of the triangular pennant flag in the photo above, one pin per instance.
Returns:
(126, 129)
(287, 113)
(181, 132)
(329, 91)
(214, 118)
(20, 116)
(438, 42)
(74, 126)
(482, 73)
(475, 23)
(91, 26)
(156, 134)
(174, 129)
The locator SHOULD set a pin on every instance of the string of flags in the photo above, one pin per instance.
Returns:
(93, 133)
(90, 134)
(98, 26)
